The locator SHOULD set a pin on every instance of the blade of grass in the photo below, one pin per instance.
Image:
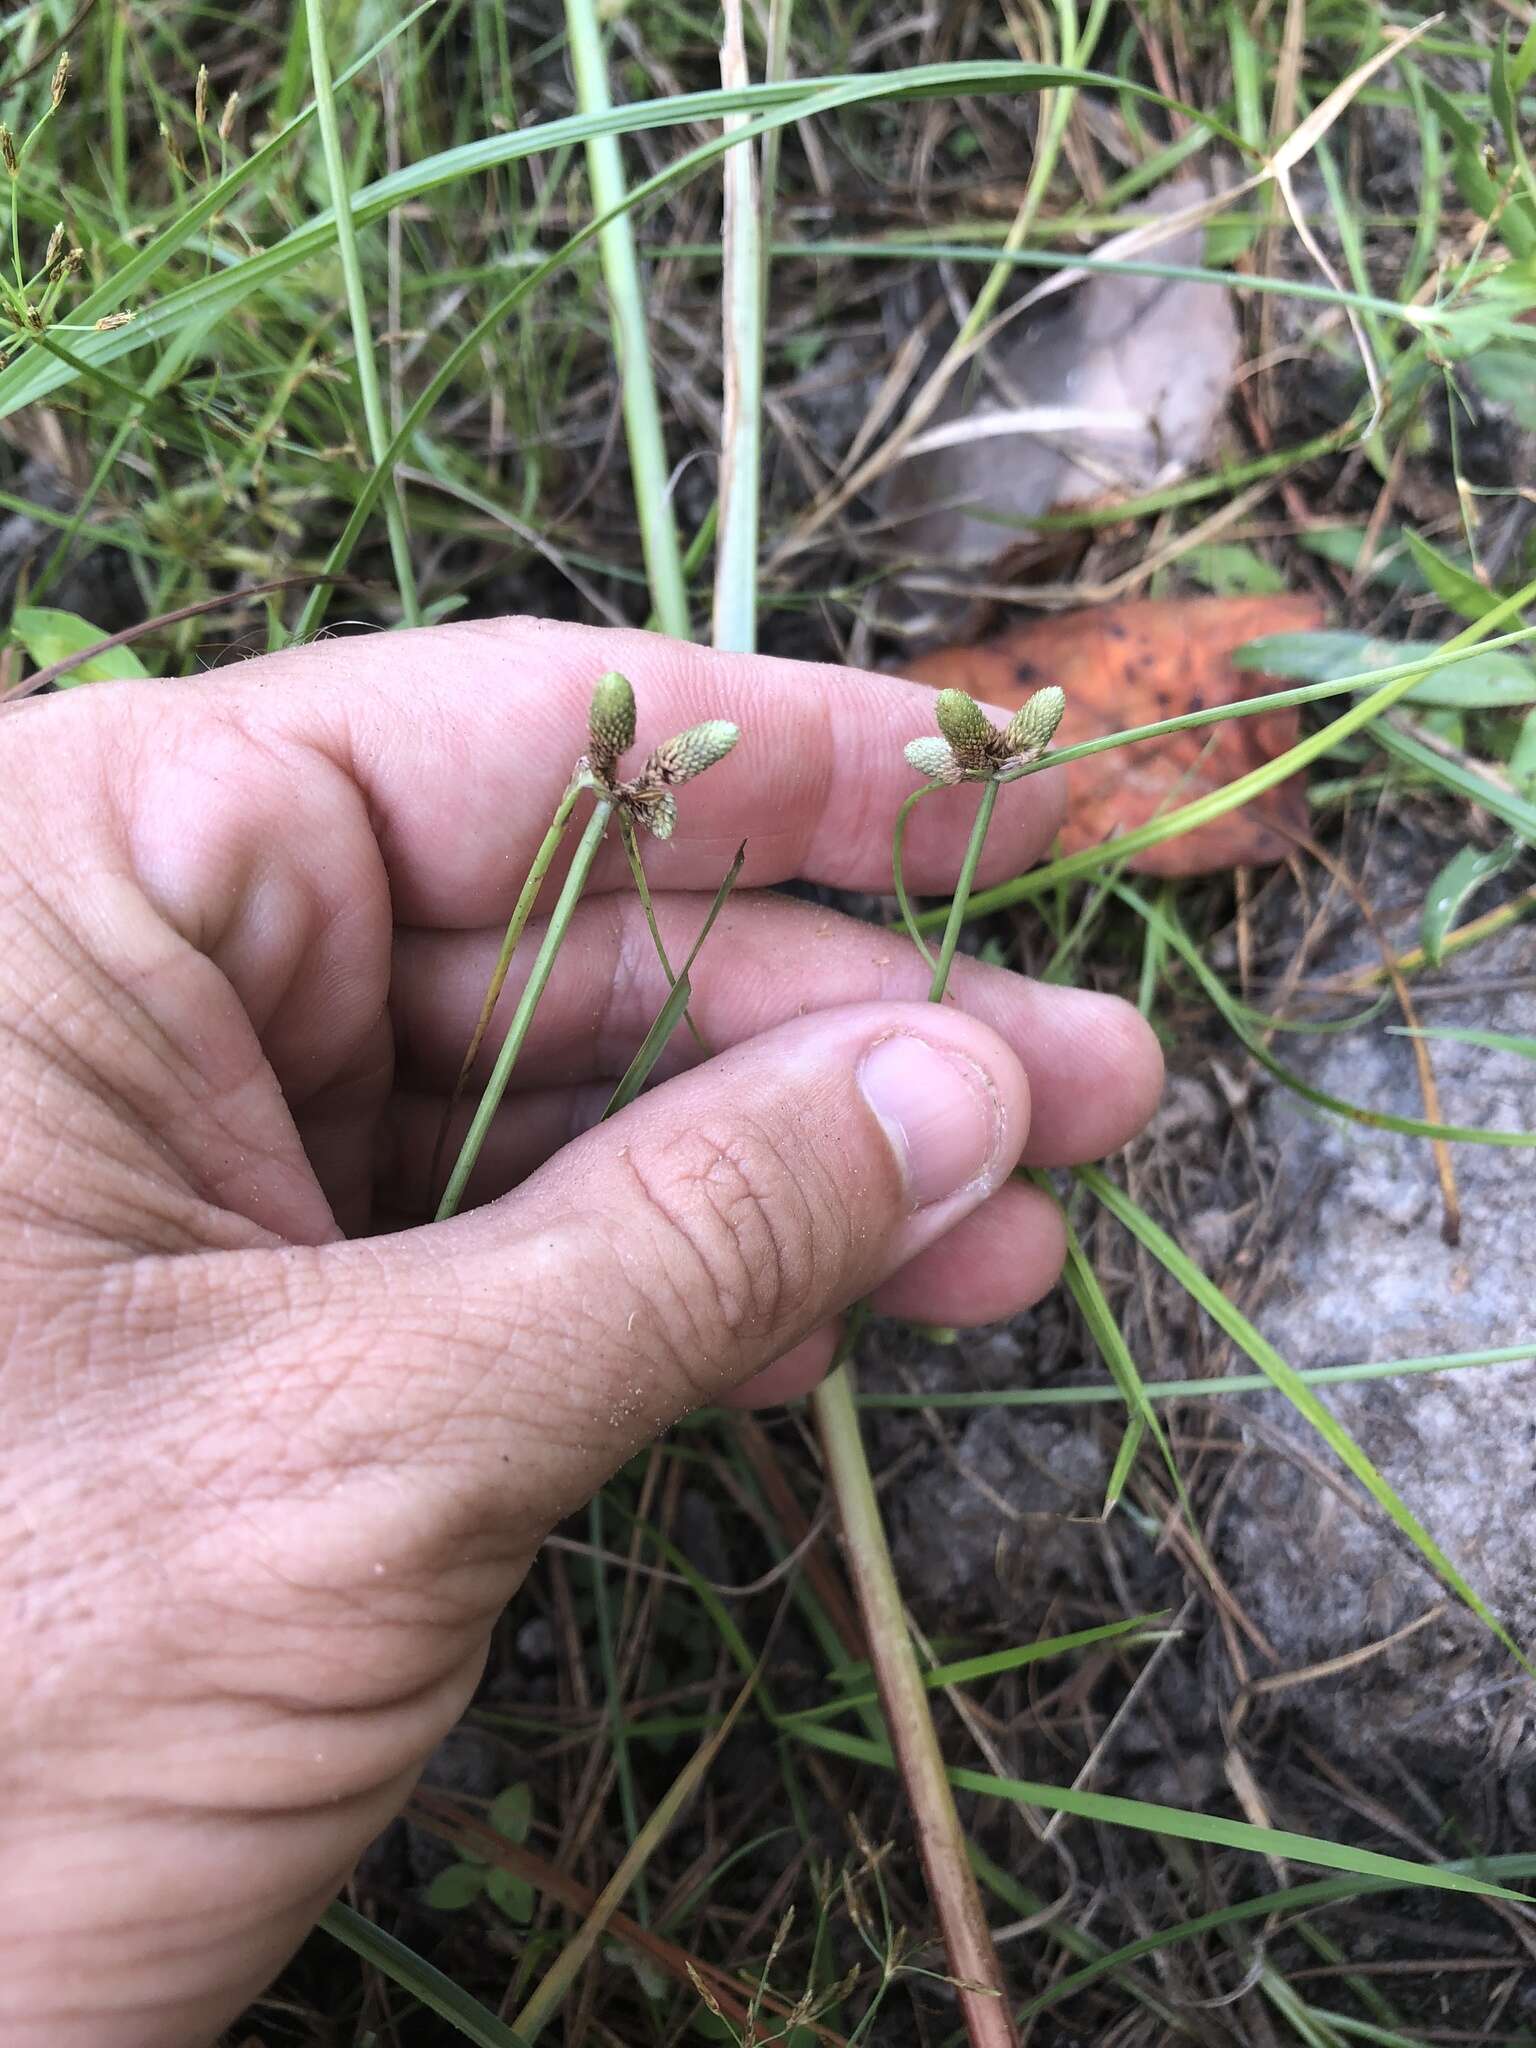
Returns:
(365, 368)
(1168, 925)
(1295, 1899)
(1506, 804)
(775, 104)
(969, 1669)
(626, 311)
(414, 1974)
(743, 313)
(1218, 802)
(516, 924)
(1148, 1817)
(675, 1007)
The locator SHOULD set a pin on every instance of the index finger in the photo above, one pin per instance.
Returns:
(462, 739)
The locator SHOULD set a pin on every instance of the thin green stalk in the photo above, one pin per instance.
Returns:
(626, 311)
(899, 875)
(374, 418)
(521, 911)
(528, 1002)
(962, 895)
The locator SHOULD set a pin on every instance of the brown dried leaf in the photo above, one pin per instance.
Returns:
(1132, 664)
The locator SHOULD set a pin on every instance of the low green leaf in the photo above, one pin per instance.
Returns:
(456, 1887)
(1476, 184)
(1506, 373)
(1231, 570)
(514, 1895)
(1461, 877)
(1341, 545)
(1451, 583)
(510, 1814)
(49, 636)
(1477, 682)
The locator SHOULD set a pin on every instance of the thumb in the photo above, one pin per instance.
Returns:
(669, 1254)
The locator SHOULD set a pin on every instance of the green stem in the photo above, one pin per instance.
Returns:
(527, 1003)
(357, 309)
(962, 896)
(521, 912)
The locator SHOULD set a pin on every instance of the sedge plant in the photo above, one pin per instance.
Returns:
(644, 800)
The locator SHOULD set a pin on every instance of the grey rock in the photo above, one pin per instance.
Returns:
(1006, 1521)
(1368, 1276)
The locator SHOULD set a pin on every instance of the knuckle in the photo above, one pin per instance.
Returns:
(746, 1239)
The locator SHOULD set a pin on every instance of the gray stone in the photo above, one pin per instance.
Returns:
(1367, 1276)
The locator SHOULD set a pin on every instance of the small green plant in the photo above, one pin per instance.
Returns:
(475, 1876)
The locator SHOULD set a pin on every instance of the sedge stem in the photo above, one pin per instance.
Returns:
(521, 911)
(970, 1952)
(962, 895)
(527, 1003)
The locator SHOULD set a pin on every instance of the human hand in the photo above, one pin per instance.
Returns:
(274, 1459)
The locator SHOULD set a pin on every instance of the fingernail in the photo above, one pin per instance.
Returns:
(939, 1111)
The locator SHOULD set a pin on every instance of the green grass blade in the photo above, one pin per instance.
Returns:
(1300, 1898)
(777, 103)
(969, 1670)
(626, 311)
(675, 1007)
(1173, 932)
(1149, 1818)
(1490, 1041)
(364, 366)
(743, 314)
(1211, 1389)
(1516, 811)
(1218, 802)
(414, 1974)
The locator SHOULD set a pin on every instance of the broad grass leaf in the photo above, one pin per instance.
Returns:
(49, 635)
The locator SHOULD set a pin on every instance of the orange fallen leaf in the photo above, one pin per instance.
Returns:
(1133, 664)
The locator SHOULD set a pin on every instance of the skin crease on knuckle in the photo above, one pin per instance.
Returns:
(744, 1243)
